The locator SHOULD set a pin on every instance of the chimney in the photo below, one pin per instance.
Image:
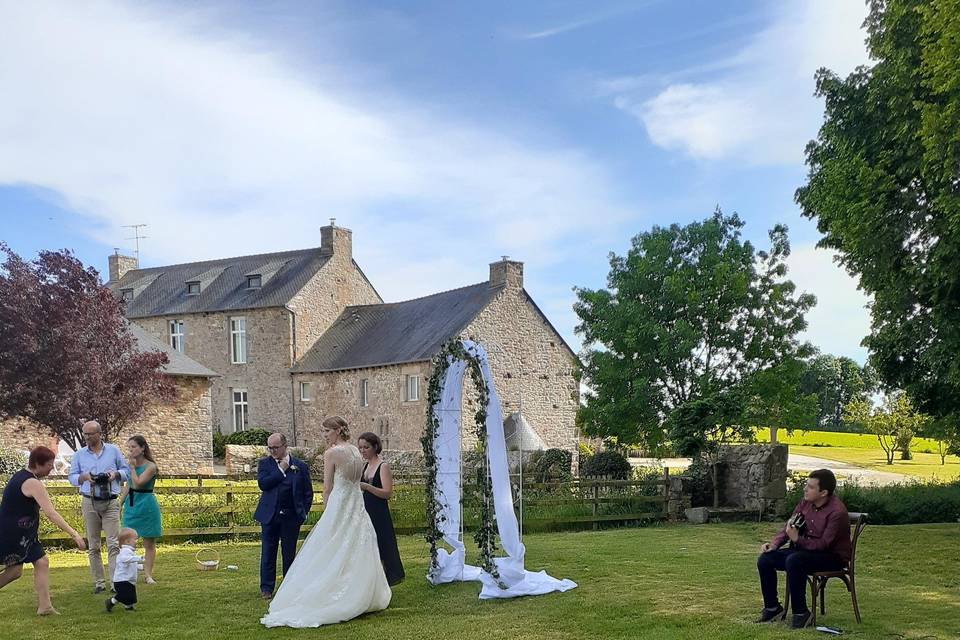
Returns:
(506, 272)
(119, 265)
(336, 241)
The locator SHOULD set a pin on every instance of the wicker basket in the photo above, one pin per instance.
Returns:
(207, 559)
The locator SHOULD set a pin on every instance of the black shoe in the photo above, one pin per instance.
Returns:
(767, 615)
(801, 620)
(98, 588)
(109, 605)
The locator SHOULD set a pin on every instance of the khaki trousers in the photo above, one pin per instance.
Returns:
(101, 515)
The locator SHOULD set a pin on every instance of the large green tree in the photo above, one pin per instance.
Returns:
(836, 382)
(884, 189)
(690, 318)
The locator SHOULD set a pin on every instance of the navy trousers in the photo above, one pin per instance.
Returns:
(282, 532)
(798, 564)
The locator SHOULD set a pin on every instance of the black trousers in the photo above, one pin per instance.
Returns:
(798, 564)
(126, 593)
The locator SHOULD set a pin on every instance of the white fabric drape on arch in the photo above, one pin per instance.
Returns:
(452, 566)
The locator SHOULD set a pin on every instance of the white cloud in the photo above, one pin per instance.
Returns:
(839, 321)
(761, 109)
(133, 114)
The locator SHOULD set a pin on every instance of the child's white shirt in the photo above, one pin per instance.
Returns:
(127, 565)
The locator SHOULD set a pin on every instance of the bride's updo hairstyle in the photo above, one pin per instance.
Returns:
(338, 424)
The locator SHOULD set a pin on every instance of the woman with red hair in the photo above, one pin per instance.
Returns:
(23, 499)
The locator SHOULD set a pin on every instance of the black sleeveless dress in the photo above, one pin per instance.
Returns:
(379, 514)
(19, 523)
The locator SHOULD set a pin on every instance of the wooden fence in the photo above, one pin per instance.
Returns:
(199, 506)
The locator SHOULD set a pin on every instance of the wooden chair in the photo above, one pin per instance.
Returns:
(818, 581)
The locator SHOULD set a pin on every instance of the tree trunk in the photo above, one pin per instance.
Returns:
(773, 434)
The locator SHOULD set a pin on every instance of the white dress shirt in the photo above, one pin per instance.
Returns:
(127, 565)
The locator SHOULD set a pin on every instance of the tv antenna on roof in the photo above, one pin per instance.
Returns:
(137, 237)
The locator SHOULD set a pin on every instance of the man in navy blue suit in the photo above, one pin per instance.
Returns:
(285, 501)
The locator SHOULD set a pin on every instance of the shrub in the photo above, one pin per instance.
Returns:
(553, 465)
(219, 445)
(11, 461)
(255, 436)
(910, 503)
(609, 464)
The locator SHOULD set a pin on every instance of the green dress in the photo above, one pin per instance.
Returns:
(140, 509)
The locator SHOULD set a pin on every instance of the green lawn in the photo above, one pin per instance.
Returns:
(667, 582)
(925, 466)
(863, 450)
(835, 439)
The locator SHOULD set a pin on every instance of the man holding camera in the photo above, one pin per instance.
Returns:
(819, 535)
(98, 469)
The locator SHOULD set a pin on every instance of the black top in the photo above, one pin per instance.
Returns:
(19, 522)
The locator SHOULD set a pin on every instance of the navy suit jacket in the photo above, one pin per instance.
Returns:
(269, 478)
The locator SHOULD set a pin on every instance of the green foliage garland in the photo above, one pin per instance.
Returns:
(485, 535)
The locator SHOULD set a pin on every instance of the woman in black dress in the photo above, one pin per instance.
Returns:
(23, 498)
(377, 485)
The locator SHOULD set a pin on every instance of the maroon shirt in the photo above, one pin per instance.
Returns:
(828, 528)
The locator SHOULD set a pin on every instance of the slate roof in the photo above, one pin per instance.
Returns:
(160, 291)
(384, 334)
(179, 365)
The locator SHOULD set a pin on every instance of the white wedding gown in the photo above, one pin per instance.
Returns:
(337, 574)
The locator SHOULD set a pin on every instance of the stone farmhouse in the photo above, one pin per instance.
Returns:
(296, 336)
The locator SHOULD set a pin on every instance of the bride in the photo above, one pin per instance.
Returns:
(337, 575)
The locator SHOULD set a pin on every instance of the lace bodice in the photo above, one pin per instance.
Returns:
(348, 464)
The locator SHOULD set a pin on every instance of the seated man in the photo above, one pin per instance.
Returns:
(819, 534)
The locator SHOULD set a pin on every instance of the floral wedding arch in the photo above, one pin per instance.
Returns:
(502, 577)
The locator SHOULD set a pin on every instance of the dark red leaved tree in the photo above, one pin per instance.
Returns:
(66, 354)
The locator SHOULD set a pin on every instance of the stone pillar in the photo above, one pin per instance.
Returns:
(506, 272)
(119, 265)
(336, 241)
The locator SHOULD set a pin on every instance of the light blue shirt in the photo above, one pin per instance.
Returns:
(109, 459)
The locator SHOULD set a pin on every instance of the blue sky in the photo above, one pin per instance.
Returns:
(444, 134)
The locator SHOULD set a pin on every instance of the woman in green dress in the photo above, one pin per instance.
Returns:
(140, 509)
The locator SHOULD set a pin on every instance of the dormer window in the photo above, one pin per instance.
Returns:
(127, 295)
(254, 281)
(193, 288)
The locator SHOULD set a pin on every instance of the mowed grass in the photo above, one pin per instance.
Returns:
(863, 450)
(666, 582)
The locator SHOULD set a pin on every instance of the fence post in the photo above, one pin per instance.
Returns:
(596, 496)
(230, 522)
(666, 491)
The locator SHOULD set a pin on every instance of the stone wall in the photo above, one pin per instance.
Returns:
(337, 285)
(242, 458)
(265, 375)
(755, 476)
(398, 422)
(530, 363)
(180, 433)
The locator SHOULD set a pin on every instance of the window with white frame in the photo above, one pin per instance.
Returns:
(176, 335)
(238, 340)
(413, 388)
(127, 295)
(240, 409)
(364, 392)
(305, 391)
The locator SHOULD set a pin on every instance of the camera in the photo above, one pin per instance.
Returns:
(100, 488)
